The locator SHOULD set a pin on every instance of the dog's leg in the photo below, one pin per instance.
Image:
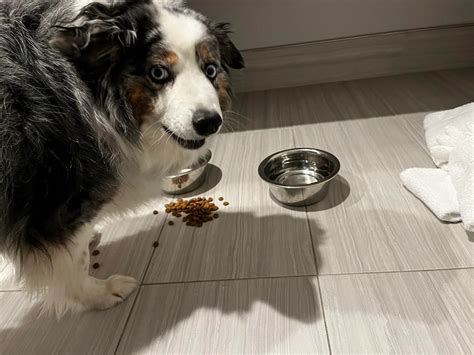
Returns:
(66, 280)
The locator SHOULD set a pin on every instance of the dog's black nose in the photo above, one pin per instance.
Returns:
(206, 123)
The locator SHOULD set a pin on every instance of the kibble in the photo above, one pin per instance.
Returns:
(155, 212)
(194, 212)
(221, 198)
(156, 244)
(226, 204)
(171, 223)
(95, 252)
(96, 266)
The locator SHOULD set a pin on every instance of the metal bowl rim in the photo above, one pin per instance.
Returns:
(206, 159)
(331, 156)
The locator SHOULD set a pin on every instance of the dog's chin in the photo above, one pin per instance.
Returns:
(185, 152)
(187, 144)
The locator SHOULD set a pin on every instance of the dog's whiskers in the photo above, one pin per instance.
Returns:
(237, 114)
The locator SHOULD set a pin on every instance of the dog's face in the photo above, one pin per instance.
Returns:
(167, 66)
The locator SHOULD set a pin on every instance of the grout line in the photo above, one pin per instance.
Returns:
(319, 284)
(226, 280)
(399, 271)
(315, 260)
(140, 286)
(286, 277)
(137, 295)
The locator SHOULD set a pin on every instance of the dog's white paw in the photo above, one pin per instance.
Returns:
(122, 286)
(113, 291)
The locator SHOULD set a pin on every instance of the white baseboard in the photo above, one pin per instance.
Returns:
(357, 57)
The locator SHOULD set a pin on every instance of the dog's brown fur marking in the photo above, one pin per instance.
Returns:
(141, 100)
(222, 86)
(208, 52)
(167, 58)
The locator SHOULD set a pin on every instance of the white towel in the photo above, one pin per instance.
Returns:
(435, 127)
(449, 193)
(461, 170)
(435, 189)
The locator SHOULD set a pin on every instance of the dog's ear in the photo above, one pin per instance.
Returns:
(98, 27)
(97, 42)
(229, 52)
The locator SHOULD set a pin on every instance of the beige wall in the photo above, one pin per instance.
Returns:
(267, 23)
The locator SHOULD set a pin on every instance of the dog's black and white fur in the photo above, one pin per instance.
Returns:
(97, 102)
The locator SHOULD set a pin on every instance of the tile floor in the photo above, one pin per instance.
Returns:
(369, 270)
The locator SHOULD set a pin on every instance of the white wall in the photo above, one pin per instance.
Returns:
(268, 23)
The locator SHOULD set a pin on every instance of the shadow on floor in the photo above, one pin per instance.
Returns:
(243, 251)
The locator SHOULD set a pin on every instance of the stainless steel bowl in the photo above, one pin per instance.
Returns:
(188, 179)
(299, 177)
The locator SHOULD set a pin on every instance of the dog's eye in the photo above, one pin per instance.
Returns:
(159, 74)
(211, 71)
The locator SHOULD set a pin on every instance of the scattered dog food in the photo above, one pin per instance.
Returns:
(226, 204)
(221, 198)
(197, 211)
(96, 266)
(156, 244)
(95, 252)
(155, 212)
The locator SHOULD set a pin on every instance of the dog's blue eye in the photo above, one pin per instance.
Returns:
(211, 71)
(159, 74)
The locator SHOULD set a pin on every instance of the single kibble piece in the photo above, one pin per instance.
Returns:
(96, 266)
(155, 212)
(171, 223)
(95, 252)
(156, 245)
(226, 204)
(216, 216)
(221, 198)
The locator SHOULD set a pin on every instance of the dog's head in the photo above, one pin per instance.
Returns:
(159, 70)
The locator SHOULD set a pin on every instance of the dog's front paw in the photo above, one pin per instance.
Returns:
(121, 286)
(113, 291)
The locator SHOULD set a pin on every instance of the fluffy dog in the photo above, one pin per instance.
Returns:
(97, 102)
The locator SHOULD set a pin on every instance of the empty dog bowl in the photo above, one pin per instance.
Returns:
(188, 179)
(299, 177)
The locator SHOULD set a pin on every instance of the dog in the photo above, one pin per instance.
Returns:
(98, 101)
